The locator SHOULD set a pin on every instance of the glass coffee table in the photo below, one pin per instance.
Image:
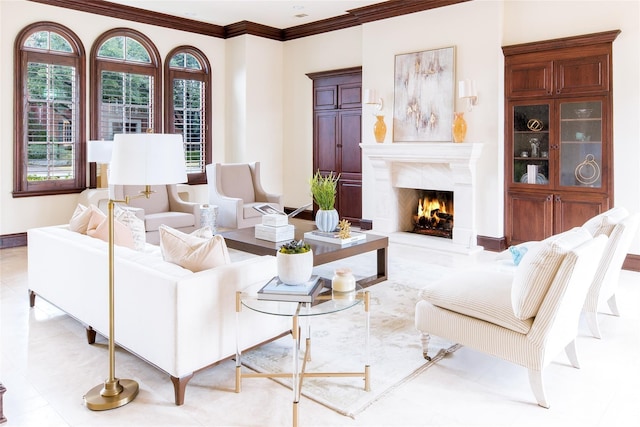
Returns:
(326, 303)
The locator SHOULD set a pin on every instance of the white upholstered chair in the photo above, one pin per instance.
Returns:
(525, 317)
(236, 188)
(621, 228)
(164, 207)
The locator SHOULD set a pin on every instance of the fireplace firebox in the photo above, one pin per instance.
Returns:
(433, 215)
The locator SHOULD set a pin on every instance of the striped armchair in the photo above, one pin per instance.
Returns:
(620, 227)
(525, 317)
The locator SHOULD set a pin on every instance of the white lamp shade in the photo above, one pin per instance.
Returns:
(370, 96)
(467, 89)
(99, 151)
(147, 159)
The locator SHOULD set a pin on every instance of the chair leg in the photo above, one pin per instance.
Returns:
(613, 305)
(572, 354)
(592, 322)
(535, 380)
(424, 339)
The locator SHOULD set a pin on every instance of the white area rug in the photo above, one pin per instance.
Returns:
(338, 344)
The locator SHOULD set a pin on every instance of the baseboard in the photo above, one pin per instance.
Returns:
(13, 240)
(631, 262)
(493, 244)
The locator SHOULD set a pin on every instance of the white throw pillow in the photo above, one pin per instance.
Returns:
(191, 252)
(79, 221)
(602, 223)
(135, 224)
(538, 268)
(99, 227)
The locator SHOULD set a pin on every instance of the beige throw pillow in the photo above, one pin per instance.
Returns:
(79, 221)
(135, 224)
(538, 268)
(99, 227)
(191, 252)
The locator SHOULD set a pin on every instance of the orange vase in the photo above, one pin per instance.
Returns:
(379, 129)
(459, 127)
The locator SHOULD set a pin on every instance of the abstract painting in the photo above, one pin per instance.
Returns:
(424, 95)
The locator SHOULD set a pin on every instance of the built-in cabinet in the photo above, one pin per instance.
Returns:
(337, 133)
(558, 134)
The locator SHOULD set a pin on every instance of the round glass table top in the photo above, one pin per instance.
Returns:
(326, 302)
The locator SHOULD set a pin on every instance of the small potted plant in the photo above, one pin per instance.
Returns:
(323, 191)
(295, 262)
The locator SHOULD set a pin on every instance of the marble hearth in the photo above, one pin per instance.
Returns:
(398, 167)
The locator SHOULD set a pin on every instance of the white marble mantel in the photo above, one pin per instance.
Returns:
(429, 166)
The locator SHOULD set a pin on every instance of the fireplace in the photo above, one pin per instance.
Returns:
(398, 169)
(433, 213)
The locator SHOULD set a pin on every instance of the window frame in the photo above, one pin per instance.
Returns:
(154, 69)
(22, 56)
(203, 75)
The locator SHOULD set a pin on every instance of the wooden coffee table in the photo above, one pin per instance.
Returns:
(243, 239)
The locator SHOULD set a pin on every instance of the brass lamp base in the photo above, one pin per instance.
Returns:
(111, 395)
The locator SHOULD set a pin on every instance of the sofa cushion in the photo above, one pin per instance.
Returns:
(537, 269)
(99, 227)
(191, 252)
(79, 221)
(488, 299)
(152, 222)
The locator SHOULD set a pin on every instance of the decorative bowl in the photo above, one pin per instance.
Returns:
(583, 113)
(540, 179)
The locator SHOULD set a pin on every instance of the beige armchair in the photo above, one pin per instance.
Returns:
(620, 227)
(163, 207)
(526, 318)
(236, 188)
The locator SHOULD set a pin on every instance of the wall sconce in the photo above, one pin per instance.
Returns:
(100, 152)
(467, 90)
(371, 98)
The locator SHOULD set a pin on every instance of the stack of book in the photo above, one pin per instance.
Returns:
(334, 237)
(276, 290)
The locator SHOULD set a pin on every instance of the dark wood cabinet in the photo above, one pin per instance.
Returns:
(558, 134)
(337, 132)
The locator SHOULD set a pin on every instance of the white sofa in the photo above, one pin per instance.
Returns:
(174, 319)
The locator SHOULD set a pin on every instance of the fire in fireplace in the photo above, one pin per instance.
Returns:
(434, 216)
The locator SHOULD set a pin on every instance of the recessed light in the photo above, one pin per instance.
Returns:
(298, 7)
(300, 15)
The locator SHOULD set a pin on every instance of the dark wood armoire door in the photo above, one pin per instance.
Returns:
(337, 132)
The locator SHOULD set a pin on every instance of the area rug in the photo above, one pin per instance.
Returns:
(338, 344)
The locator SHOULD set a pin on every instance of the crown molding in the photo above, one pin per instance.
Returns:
(353, 18)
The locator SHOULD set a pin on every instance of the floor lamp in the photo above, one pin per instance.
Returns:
(137, 159)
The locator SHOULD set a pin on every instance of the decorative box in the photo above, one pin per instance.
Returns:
(275, 220)
(274, 234)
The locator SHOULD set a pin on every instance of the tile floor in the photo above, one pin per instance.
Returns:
(46, 366)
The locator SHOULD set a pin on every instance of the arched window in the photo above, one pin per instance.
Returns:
(49, 155)
(125, 85)
(188, 107)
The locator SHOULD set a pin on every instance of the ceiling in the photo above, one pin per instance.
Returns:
(278, 14)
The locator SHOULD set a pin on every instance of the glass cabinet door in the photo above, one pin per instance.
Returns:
(531, 144)
(581, 144)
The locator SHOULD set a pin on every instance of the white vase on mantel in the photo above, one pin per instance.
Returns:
(327, 220)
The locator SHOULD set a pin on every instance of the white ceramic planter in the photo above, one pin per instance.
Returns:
(294, 269)
(327, 220)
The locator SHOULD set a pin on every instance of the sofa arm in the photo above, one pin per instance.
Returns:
(176, 204)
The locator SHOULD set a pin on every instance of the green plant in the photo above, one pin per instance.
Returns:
(295, 247)
(323, 189)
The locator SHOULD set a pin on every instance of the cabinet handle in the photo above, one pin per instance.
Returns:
(558, 198)
(549, 198)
